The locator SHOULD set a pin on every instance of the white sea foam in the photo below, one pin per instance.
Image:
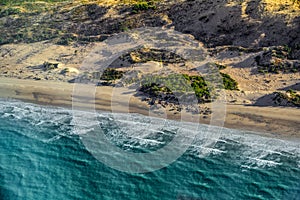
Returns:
(249, 150)
(264, 163)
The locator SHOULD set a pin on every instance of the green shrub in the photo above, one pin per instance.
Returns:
(143, 5)
(176, 83)
(183, 84)
(229, 83)
(111, 74)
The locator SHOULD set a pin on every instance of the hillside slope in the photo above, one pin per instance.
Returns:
(257, 41)
(215, 23)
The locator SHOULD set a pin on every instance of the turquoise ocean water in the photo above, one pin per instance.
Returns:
(42, 157)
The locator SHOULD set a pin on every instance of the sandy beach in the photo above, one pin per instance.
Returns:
(277, 122)
(38, 66)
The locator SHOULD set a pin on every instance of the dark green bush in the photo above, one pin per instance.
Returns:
(111, 74)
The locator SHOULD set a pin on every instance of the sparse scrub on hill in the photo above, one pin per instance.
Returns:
(144, 55)
(289, 98)
(66, 39)
(279, 66)
(143, 5)
(294, 97)
(280, 59)
(9, 11)
(20, 2)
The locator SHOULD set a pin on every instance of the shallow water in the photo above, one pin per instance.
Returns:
(43, 157)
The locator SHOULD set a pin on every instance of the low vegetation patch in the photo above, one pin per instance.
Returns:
(279, 66)
(9, 11)
(279, 60)
(290, 98)
(293, 97)
(66, 39)
(158, 86)
(20, 2)
(107, 77)
(229, 83)
(143, 5)
(144, 55)
(176, 85)
(111, 74)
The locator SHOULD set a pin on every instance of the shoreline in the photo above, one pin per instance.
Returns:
(278, 122)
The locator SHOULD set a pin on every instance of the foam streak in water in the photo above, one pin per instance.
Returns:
(142, 132)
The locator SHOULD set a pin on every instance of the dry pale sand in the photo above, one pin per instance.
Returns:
(276, 122)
